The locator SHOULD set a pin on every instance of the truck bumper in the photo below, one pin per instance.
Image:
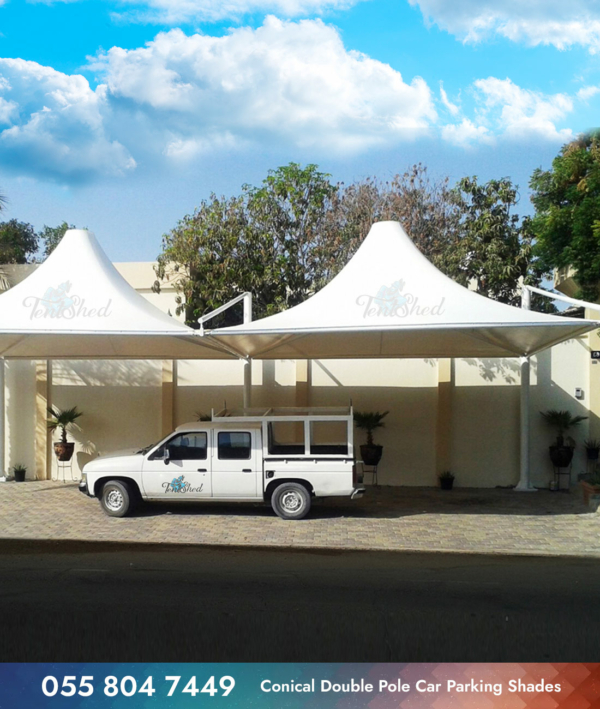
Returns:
(83, 487)
(357, 493)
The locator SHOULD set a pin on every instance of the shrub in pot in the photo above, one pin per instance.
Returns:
(561, 454)
(590, 487)
(368, 421)
(63, 420)
(446, 480)
(592, 448)
(19, 473)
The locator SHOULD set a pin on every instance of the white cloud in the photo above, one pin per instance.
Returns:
(553, 22)
(453, 108)
(522, 113)
(53, 124)
(287, 87)
(504, 109)
(466, 133)
(285, 83)
(587, 92)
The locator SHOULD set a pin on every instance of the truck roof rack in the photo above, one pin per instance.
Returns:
(247, 414)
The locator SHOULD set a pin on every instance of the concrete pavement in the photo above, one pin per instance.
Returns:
(477, 521)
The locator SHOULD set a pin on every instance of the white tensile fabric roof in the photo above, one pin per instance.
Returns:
(77, 305)
(390, 301)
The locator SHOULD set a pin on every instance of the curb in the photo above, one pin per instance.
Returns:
(103, 545)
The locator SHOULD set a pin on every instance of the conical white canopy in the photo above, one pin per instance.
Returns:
(77, 305)
(390, 301)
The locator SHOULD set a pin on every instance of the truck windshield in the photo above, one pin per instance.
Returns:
(145, 449)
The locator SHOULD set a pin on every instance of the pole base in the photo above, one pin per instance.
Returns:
(525, 488)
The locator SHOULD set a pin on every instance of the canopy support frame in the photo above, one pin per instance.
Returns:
(247, 318)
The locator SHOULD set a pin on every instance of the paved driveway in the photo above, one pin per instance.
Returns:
(393, 519)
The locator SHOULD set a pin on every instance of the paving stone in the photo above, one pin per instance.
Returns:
(386, 518)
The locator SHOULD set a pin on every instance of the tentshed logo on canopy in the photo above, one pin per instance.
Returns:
(391, 301)
(60, 303)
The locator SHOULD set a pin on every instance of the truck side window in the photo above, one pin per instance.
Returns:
(286, 437)
(234, 446)
(328, 438)
(188, 446)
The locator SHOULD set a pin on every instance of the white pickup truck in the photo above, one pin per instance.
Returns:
(281, 456)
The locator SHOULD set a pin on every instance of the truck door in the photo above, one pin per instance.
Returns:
(235, 463)
(179, 469)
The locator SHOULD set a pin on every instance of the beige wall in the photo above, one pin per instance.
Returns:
(20, 404)
(405, 388)
(122, 403)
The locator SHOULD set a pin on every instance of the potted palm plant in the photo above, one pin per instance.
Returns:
(592, 448)
(446, 480)
(561, 454)
(19, 471)
(368, 421)
(63, 420)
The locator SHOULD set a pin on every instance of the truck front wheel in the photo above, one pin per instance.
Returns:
(291, 501)
(116, 498)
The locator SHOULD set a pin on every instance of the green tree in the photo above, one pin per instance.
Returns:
(51, 237)
(287, 216)
(426, 209)
(18, 242)
(266, 241)
(567, 212)
(492, 248)
(204, 256)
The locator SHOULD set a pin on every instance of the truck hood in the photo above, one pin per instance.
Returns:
(124, 452)
(119, 461)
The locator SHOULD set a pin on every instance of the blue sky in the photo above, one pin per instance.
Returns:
(121, 116)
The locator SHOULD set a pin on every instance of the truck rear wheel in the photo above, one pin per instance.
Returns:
(116, 498)
(291, 501)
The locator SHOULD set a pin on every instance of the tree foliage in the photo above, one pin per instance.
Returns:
(423, 206)
(264, 241)
(286, 238)
(492, 248)
(51, 237)
(567, 206)
(18, 242)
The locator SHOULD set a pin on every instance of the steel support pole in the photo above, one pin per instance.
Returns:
(524, 479)
(247, 400)
(524, 484)
(2, 420)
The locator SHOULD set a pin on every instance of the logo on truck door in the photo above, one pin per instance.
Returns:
(181, 485)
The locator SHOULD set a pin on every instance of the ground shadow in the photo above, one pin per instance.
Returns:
(395, 503)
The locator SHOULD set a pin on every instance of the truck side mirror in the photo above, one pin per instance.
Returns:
(167, 456)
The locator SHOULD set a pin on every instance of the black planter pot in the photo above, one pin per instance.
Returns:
(371, 455)
(64, 451)
(593, 453)
(19, 476)
(446, 483)
(561, 456)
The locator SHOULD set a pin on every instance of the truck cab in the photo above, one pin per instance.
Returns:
(284, 457)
